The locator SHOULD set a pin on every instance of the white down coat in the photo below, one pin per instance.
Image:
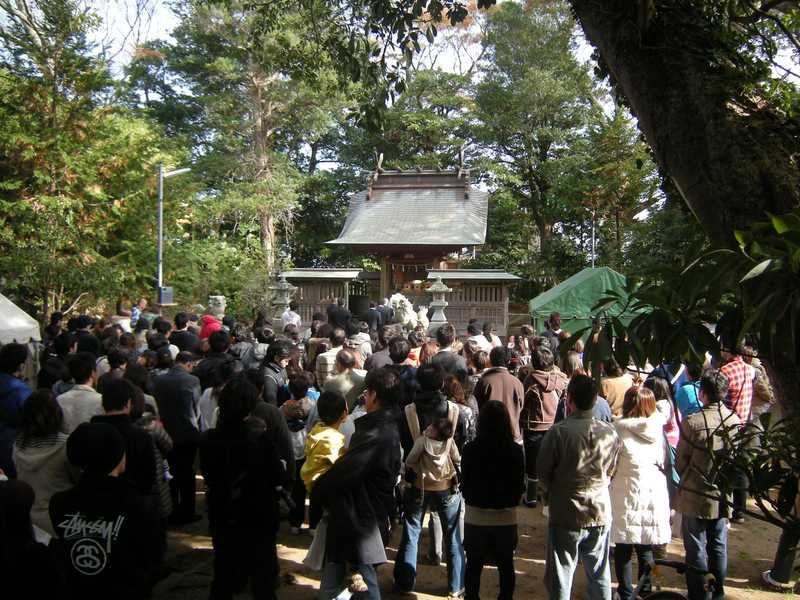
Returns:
(639, 499)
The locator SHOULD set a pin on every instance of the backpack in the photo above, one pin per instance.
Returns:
(412, 419)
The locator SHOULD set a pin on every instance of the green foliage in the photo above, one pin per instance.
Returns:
(534, 102)
(752, 295)
(72, 168)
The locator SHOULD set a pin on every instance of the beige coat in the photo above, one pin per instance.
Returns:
(701, 434)
(576, 460)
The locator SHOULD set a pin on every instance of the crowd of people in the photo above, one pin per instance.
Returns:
(374, 428)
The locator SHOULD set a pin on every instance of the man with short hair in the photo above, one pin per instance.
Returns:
(497, 383)
(185, 340)
(476, 335)
(54, 365)
(290, 316)
(106, 538)
(338, 315)
(553, 331)
(207, 370)
(117, 361)
(347, 381)
(177, 395)
(13, 394)
(739, 398)
(386, 311)
(544, 387)
(358, 491)
(373, 318)
(450, 361)
(428, 491)
(576, 460)
(275, 363)
(87, 340)
(81, 402)
(137, 310)
(326, 362)
(700, 500)
(381, 358)
(399, 350)
(140, 458)
(687, 397)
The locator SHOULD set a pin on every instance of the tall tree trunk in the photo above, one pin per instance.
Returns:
(545, 231)
(731, 155)
(268, 240)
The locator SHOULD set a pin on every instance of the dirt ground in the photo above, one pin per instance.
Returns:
(750, 551)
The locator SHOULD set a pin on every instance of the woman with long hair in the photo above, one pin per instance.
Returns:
(467, 405)
(427, 352)
(493, 479)
(663, 394)
(639, 498)
(40, 454)
(521, 344)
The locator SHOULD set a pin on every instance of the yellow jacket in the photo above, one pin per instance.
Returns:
(324, 445)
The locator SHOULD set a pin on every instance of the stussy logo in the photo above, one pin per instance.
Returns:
(89, 554)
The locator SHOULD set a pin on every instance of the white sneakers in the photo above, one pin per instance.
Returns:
(775, 585)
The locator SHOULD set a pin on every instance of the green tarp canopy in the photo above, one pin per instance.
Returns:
(574, 298)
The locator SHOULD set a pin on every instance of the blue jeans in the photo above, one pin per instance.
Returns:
(448, 506)
(706, 544)
(564, 548)
(333, 583)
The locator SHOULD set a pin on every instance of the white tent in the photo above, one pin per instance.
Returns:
(15, 324)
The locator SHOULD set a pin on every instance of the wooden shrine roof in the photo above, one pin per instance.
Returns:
(416, 208)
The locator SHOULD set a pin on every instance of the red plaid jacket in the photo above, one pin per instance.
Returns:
(740, 387)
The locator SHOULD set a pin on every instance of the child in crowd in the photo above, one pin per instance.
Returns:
(435, 453)
(296, 410)
(324, 445)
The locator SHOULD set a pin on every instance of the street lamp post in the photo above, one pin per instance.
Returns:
(162, 175)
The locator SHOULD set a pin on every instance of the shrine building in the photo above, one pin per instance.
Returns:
(419, 225)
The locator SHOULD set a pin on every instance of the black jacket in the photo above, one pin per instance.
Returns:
(452, 363)
(408, 383)
(88, 342)
(373, 319)
(339, 316)
(492, 475)
(241, 469)
(54, 369)
(387, 313)
(359, 489)
(106, 538)
(140, 456)
(207, 370)
(177, 394)
(275, 391)
(185, 340)
(277, 432)
(378, 359)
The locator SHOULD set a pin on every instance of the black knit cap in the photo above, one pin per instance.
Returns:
(16, 500)
(96, 448)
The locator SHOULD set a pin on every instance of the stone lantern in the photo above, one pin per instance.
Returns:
(216, 306)
(282, 293)
(438, 291)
